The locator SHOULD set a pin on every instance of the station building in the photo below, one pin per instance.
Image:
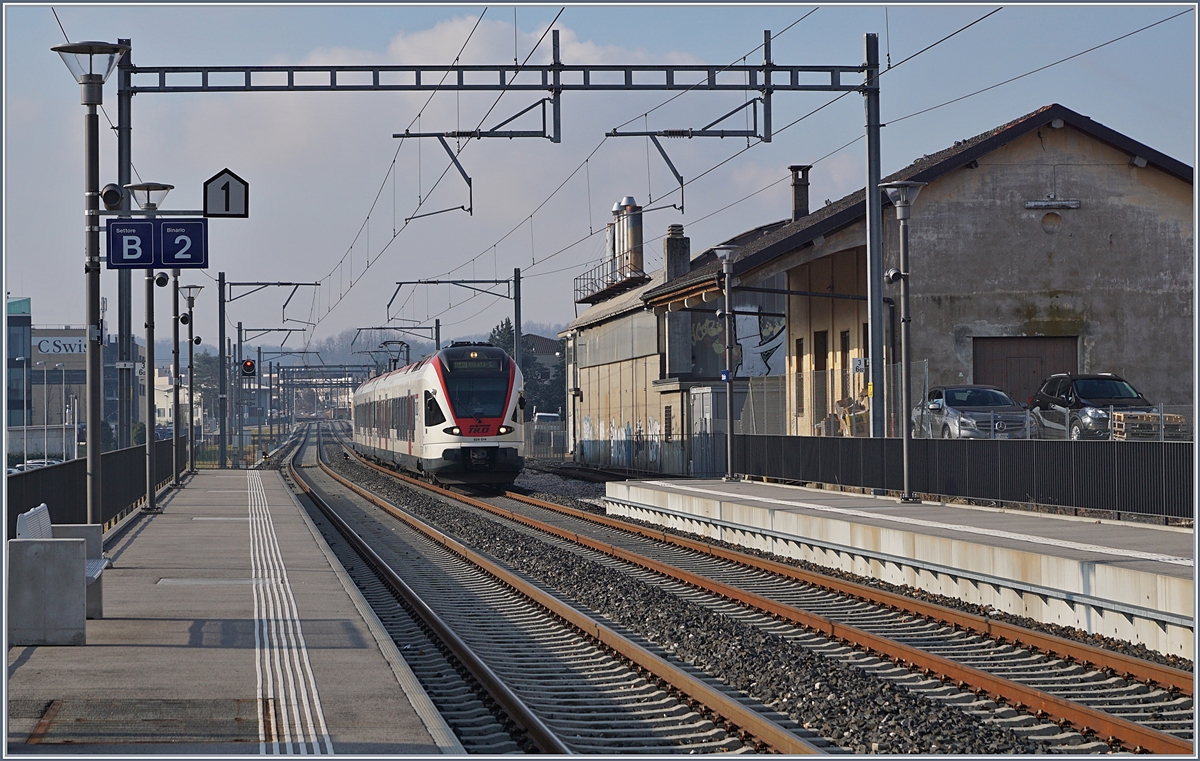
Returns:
(1049, 244)
(47, 382)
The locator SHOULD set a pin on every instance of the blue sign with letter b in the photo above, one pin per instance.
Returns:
(130, 244)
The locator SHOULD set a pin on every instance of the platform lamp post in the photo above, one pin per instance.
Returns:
(45, 412)
(902, 194)
(725, 255)
(24, 410)
(149, 196)
(193, 341)
(91, 63)
(62, 394)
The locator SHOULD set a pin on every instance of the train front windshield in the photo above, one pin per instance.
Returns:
(478, 396)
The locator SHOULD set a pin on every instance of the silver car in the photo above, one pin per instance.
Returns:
(970, 412)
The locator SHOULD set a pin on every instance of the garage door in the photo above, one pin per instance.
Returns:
(1019, 365)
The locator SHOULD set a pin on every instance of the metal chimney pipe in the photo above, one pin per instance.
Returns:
(633, 231)
(799, 190)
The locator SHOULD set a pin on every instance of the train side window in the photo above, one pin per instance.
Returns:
(433, 411)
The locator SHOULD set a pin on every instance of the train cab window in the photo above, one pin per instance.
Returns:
(433, 411)
(478, 397)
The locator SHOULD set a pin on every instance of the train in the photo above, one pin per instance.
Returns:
(454, 417)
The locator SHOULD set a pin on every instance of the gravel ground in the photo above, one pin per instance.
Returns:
(573, 495)
(860, 713)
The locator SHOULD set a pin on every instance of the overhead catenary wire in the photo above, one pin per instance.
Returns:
(332, 306)
(642, 115)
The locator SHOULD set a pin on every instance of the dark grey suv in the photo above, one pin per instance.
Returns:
(1079, 406)
(969, 412)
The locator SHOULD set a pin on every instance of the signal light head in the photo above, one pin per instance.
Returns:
(248, 369)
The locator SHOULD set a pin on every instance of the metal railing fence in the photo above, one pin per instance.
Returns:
(546, 440)
(1138, 477)
(63, 487)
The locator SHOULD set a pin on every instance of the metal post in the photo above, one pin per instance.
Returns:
(270, 403)
(176, 455)
(45, 413)
(151, 497)
(95, 367)
(62, 394)
(517, 315)
(727, 285)
(191, 428)
(238, 401)
(902, 194)
(258, 399)
(25, 410)
(223, 372)
(874, 238)
(437, 334)
(126, 379)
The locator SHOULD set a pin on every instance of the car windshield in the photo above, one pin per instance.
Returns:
(977, 397)
(1104, 388)
(479, 396)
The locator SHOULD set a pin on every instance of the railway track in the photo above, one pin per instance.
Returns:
(1063, 692)
(563, 680)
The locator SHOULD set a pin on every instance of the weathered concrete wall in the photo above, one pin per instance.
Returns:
(842, 272)
(1116, 272)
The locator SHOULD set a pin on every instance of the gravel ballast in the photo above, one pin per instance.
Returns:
(573, 496)
(854, 709)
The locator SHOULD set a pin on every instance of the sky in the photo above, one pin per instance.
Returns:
(331, 187)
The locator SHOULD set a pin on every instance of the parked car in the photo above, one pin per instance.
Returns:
(969, 412)
(1078, 406)
(31, 464)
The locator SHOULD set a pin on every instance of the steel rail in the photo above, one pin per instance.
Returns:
(760, 728)
(1128, 667)
(523, 716)
(1088, 720)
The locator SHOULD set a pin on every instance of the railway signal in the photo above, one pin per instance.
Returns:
(249, 369)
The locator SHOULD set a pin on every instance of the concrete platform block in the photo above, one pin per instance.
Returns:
(47, 603)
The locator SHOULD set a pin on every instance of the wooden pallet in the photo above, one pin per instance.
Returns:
(1144, 425)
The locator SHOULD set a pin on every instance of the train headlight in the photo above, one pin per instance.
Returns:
(505, 429)
(452, 430)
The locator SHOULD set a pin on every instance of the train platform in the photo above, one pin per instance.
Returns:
(229, 628)
(1127, 580)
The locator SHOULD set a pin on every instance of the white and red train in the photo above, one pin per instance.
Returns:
(454, 417)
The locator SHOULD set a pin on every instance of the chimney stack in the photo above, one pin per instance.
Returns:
(799, 190)
(677, 252)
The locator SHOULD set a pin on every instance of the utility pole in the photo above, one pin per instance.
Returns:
(874, 213)
(517, 315)
(223, 371)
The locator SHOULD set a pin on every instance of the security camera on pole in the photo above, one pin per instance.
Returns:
(725, 255)
(193, 341)
(902, 194)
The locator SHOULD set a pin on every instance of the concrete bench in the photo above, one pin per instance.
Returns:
(54, 580)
